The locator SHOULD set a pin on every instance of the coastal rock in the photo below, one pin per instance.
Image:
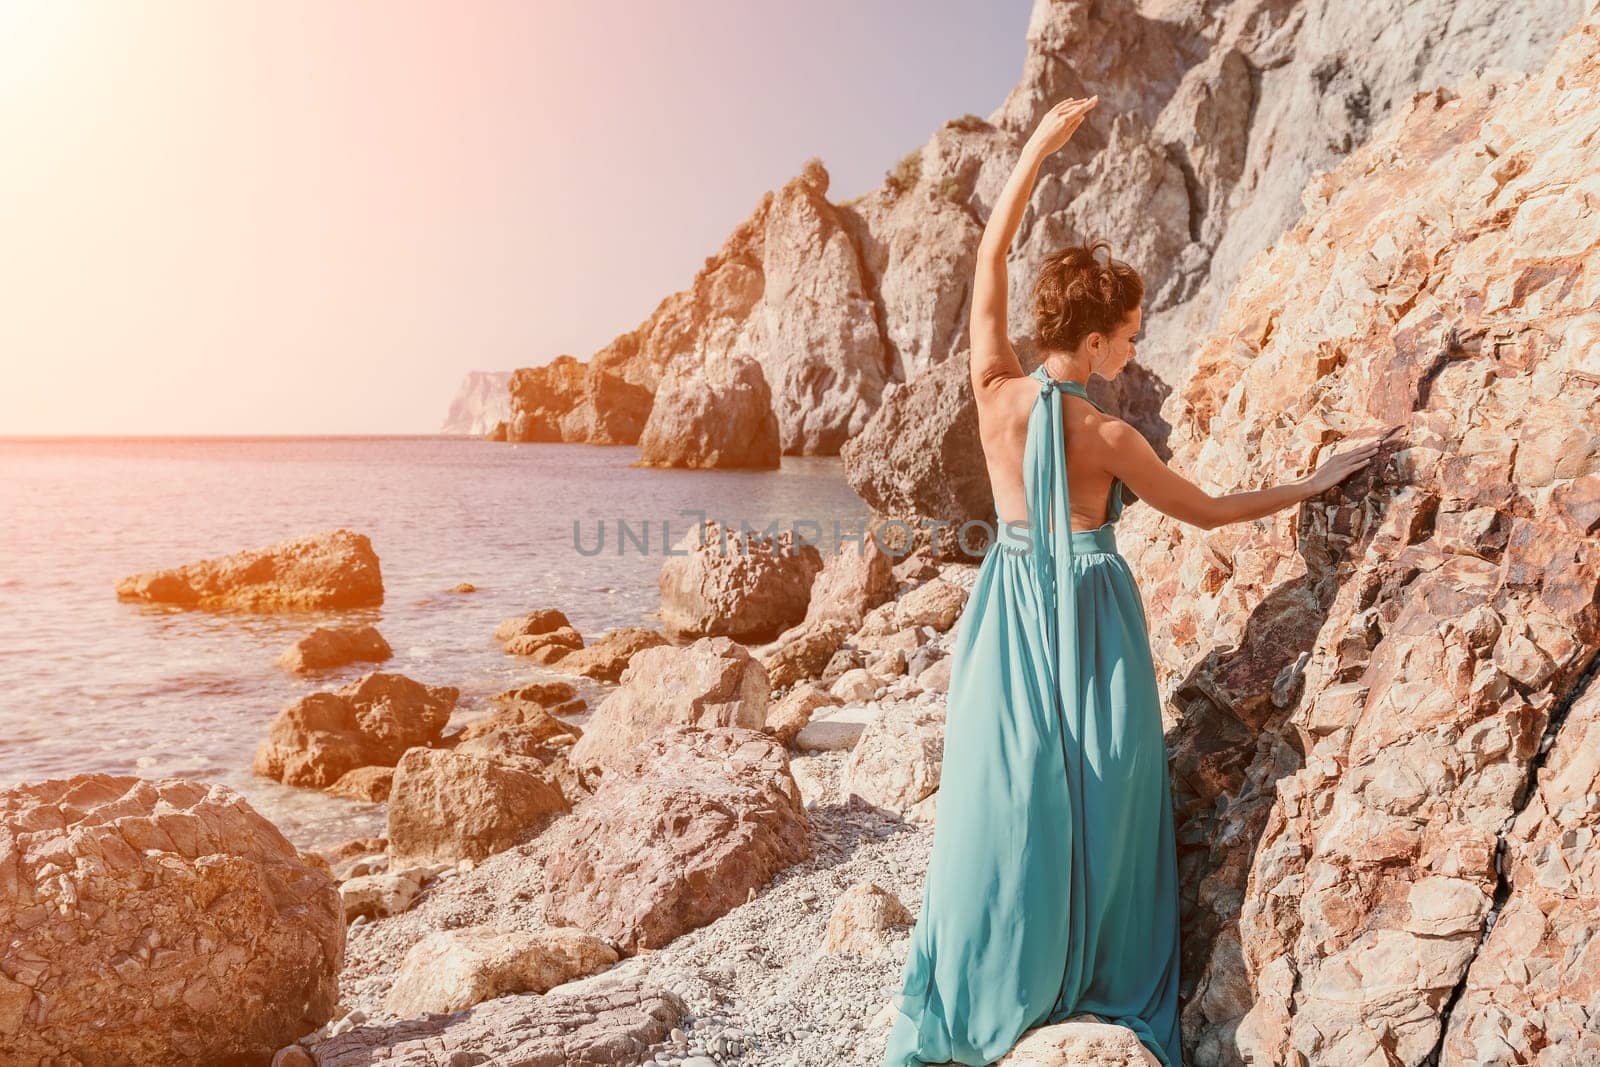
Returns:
(920, 461)
(855, 578)
(803, 651)
(380, 894)
(370, 722)
(545, 636)
(554, 697)
(1526, 993)
(787, 717)
(451, 805)
(862, 917)
(716, 415)
(320, 572)
(896, 763)
(613, 1024)
(605, 658)
(364, 783)
(1364, 687)
(737, 583)
(482, 402)
(713, 682)
(524, 729)
(677, 834)
(568, 400)
(158, 921)
(451, 970)
(338, 646)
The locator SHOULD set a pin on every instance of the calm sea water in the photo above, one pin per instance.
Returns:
(89, 683)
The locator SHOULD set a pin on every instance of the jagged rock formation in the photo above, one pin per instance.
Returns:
(318, 572)
(481, 403)
(157, 921)
(566, 400)
(1383, 698)
(1211, 119)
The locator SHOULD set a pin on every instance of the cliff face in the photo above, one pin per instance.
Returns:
(481, 403)
(1212, 117)
(1384, 707)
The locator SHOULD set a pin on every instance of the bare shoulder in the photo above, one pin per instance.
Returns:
(1007, 397)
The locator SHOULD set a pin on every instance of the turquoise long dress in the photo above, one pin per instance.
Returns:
(1052, 888)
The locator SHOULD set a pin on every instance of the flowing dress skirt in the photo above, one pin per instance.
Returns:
(1052, 887)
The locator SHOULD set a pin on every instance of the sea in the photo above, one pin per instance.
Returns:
(89, 683)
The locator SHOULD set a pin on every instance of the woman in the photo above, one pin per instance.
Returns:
(1052, 889)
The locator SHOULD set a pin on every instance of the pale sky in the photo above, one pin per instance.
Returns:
(314, 216)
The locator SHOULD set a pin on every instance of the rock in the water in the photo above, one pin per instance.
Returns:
(718, 415)
(566, 400)
(736, 583)
(712, 682)
(446, 806)
(450, 970)
(337, 646)
(370, 722)
(613, 1024)
(320, 572)
(605, 658)
(676, 835)
(157, 921)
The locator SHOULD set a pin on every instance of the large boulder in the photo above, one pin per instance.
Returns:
(567, 400)
(714, 415)
(158, 921)
(320, 572)
(370, 722)
(336, 646)
(721, 581)
(1369, 690)
(713, 682)
(677, 835)
(446, 806)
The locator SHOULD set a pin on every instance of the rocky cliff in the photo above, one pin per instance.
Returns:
(480, 404)
(1383, 704)
(1212, 117)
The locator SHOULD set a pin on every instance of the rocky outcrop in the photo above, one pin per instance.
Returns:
(722, 581)
(713, 682)
(566, 400)
(1208, 126)
(158, 921)
(370, 722)
(712, 415)
(678, 833)
(1377, 694)
(544, 636)
(481, 403)
(610, 1024)
(451, 805)
(320, 572)
(338, 646)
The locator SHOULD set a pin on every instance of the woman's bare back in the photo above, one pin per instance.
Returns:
(1003, 412)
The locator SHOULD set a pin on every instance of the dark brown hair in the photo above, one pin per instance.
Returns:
(1078, 294)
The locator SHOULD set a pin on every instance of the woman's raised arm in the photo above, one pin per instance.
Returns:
(993, 358)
